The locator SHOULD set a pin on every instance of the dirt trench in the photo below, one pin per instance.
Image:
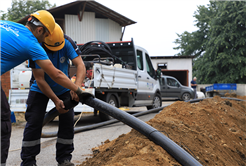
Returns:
(213, 131)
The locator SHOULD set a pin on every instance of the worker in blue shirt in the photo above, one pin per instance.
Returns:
(60, 50)
(18, 44)
(193, 86)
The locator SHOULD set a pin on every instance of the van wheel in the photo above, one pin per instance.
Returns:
(157, 102)
(185, 96)
(112, 101)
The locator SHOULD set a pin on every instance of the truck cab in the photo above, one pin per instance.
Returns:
(148, 84)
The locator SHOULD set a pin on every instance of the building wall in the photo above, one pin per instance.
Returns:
(80, 31)
(176, 64)
(91, 28)
(102, 32)
(5, 82)
(115, 31)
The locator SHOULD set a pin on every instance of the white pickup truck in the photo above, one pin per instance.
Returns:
(122, 75)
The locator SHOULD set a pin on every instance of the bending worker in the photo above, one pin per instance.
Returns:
(18, 44)
(60, 50)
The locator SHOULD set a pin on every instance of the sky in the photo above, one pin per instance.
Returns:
(158, 21)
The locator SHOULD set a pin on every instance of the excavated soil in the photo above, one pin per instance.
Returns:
(213, 131)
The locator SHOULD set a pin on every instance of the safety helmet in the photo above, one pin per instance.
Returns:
(56, 41)
(46, 19)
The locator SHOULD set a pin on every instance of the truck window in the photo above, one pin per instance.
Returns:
(140, 59)
(172, 82)
(149, 66)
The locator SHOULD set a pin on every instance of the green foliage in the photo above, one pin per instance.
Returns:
(220, 43)
(194, 43)
(2, 15)
(22, 8)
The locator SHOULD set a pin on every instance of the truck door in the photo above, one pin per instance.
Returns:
(145, 76)
(150, 74)
(141, 76)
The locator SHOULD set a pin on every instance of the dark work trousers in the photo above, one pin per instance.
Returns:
(5, 127)
(36, 108)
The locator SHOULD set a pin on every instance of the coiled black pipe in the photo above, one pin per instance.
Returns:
(53, 113)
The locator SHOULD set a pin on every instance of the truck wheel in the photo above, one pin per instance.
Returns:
(185, 96)
(157, 102)
(112, 101)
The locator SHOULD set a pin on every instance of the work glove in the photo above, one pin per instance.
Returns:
(83, 95)
(69, 103)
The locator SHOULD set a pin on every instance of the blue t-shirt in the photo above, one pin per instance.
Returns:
(18, 44)
(193, 82)
(60, 60)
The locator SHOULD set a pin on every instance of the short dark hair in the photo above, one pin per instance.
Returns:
(32, 26)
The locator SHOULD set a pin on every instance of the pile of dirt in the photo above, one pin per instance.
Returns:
(213, 131)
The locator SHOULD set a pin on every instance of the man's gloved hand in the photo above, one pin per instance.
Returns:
(83, 95)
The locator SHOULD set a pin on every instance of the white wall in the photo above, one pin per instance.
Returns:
(91, 28)
(80, 31)
(176, 64)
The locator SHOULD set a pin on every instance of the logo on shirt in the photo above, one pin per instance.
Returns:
(9, 28)
(62, 59)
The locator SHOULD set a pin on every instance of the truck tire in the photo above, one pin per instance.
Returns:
(112, 101)
(157, 102)
(185, 96)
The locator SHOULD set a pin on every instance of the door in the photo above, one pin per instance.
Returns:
(173, 88)
(141, 77)
(149, 75)
(163, 86)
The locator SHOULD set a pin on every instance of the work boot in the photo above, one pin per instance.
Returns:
(66, 163)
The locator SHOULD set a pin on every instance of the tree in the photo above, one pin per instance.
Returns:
(219, 44)
(22, 8)
(194, 43)
(225, 58)
(2, 15)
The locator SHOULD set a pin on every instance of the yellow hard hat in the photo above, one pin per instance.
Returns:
(46, 19)
(56, 41)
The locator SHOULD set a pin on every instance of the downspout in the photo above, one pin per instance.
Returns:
(122, 33)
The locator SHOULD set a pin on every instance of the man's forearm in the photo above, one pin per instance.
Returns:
(80, 76)
(45, 88)
(57, 75)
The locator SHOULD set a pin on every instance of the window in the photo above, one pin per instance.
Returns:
(172, 82)
(149, 66)
(140, 59)
(162, 65)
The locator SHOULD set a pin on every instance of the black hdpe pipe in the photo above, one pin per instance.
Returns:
(53, 113)
(151, 133)
(71, 103)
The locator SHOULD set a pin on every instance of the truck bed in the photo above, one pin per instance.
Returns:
(114, 77)
(220, 89)
(217, 87)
